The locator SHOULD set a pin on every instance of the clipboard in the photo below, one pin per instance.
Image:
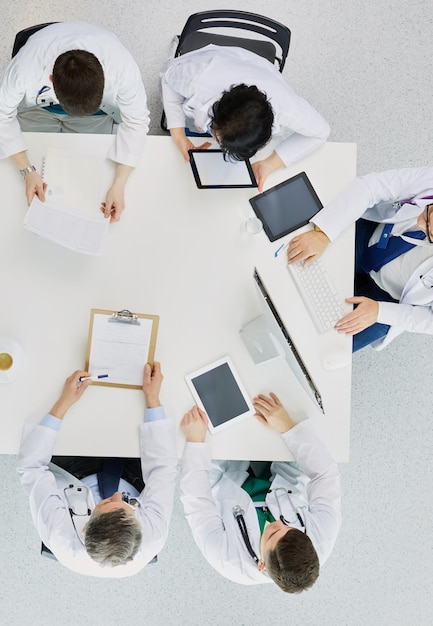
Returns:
(119, 344)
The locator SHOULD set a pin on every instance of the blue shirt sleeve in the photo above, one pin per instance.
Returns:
(152, 415)
(51, 422)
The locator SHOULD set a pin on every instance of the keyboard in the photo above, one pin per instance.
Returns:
(319, 294)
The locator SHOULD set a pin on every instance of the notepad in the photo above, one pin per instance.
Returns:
(70, 215)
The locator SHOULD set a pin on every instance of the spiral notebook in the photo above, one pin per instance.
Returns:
(70, 215)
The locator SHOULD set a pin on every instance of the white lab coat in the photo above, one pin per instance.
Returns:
(192, 83)
(315, 486)
(124, 97)
(414, 312)
(49, 508)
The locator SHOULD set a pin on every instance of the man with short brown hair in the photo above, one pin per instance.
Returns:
(280, 526)
(74, 77)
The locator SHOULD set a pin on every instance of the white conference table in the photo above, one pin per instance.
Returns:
(180, 253)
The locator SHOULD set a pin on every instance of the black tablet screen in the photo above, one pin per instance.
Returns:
(287, 206)
(220, 394)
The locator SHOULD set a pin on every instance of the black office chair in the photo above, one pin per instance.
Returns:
(196, 34)
(23, 35)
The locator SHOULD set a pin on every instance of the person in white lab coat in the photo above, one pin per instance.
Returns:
(85, 73)
(301, 501)
(394, 253)
(108, 537)
(242, 100)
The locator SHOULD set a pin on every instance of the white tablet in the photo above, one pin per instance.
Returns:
(212, 171)
(218, 390)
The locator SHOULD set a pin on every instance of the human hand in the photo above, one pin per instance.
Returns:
(363, 316)
(271, 412)
(184, 143)
(72, 391)
(35, 187)
(262, 169)
(114, 203)
(152, 381)
(307, 247)
(194, 425)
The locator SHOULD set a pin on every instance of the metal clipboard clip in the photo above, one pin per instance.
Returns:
(124, 317)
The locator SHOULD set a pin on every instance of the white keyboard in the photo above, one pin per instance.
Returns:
(319, 294)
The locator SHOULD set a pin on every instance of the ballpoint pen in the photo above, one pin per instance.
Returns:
(279, 250)
(82, 378)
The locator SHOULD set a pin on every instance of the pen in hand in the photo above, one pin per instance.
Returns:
(83, 378)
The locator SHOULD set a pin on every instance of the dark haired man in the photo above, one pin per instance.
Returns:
(254, 530)
(393, 211)
(241, 99)
(80, 516)
(74, 77)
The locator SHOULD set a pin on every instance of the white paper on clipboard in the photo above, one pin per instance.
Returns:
(120, 350)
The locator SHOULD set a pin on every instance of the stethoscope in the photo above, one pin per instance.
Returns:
(238, 514)
(42, 102)
(427, 280)
(72, 512)
(277, 499)
(126, 497)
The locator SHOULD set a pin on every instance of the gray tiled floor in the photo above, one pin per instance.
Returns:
(367, 67)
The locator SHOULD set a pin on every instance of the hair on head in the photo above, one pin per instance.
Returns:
(78, 80)
(293, 565)
(113, 538)
(242, 119)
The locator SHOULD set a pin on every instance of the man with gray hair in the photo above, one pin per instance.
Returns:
(76, 502)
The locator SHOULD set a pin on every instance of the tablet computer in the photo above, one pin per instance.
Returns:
(218, 390)
(287, 206)
(212, 171)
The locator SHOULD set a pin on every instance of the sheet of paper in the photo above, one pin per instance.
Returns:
(120, 350)
(213, 170)
(54, 221)
(75, 178)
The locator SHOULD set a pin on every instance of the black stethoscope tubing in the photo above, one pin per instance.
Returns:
(238, 514)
